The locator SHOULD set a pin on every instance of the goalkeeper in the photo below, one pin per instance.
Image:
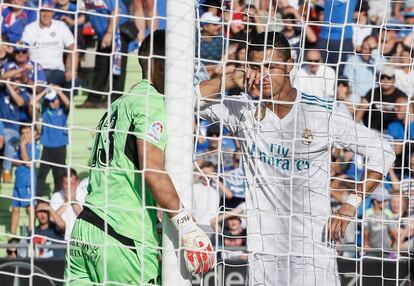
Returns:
(114, 239)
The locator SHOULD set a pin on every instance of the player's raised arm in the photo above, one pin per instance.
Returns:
(232, 78)
(199, 255)
(379, 158)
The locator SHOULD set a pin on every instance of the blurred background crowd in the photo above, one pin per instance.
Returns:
(359, 54)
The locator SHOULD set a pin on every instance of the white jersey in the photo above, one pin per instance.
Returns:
(47, 44)
(286, 163)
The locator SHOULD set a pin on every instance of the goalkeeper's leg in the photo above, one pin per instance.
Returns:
(97, 257)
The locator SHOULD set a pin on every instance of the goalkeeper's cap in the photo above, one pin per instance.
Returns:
(47, 4)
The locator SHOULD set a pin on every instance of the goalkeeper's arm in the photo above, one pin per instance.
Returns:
(199, 256)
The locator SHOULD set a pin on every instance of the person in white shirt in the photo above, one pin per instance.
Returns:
(286, 139)
(207, 191)
(315, 78)
(68, 201)
(49, 39)
(404, 75)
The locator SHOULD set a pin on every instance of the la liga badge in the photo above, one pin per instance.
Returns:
(154, 132)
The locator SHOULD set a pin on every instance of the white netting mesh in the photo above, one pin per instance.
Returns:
(267, 171)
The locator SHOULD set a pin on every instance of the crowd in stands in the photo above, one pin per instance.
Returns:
(356, 54)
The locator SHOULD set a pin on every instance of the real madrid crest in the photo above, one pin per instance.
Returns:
(307, 136)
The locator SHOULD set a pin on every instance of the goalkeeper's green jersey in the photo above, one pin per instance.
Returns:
(117, 191)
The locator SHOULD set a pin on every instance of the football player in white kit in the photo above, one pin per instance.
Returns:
(286, 139)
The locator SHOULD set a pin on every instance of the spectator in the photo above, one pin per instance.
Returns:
(230, 233)
(398, 206)
(144, 11)
(70, 19)
(379, 235)
(54, 136)
(28, 151)
(344, 101)
(362, 30)
(5, 51)
(15, 19)
(398, 128)
(12, 251)
(206, 196)
(376, 11)
(13, 103)
(404, 75)
(211, 42)
(68, 201)
(1, 135)
(401, 8)
(221, 157)
(376, 109)
(235, 181)
(108, 31)
(49, 230)
(316, 79)
(337, 40)
(21, 66)
(48, 40)
(359, 69)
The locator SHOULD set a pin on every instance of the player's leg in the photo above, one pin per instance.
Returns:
(313, 271)
(98, 257)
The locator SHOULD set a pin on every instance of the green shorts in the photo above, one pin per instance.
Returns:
(97, 257)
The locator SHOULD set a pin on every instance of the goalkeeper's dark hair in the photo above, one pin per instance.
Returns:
(153, 46)
(270, 40)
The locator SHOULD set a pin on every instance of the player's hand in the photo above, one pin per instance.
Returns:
(198, 251)
(253, 81)
(339, 221)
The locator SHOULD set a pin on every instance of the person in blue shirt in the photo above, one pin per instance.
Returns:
(23, 192)
(1, 134)
(336, 39)
(397, 128)
(235, 181)
(14, 101)
(15, 19)
(21, 66)
(108, 30)
(54, 136)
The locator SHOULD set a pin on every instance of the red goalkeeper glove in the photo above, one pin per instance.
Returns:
(198, 251)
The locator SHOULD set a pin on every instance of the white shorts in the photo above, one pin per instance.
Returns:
(269, 270)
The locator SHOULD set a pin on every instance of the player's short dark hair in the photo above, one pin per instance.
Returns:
(270, 40)
(72, 172)
(153, 46)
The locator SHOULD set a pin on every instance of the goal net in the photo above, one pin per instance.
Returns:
(264, 142)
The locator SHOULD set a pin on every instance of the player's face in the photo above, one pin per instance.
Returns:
(274, 72)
